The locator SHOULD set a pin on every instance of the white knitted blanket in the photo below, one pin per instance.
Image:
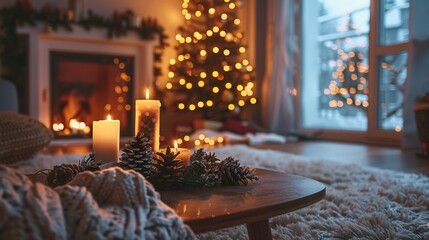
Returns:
(108, 204)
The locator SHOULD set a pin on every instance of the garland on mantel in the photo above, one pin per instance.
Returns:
(14, 56)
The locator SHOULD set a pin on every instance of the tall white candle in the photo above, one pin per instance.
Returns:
(105, 140)
(148, 120)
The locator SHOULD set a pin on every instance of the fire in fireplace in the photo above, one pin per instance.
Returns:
(86, 87)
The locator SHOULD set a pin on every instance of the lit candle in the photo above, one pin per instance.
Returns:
(148, 119)
(185, 154)
(105, 140)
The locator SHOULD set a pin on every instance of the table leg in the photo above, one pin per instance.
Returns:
(259, 230)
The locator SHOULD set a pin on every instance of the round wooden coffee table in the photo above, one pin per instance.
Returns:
(274, 194)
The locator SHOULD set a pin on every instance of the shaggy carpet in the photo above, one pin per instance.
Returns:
(360, 202)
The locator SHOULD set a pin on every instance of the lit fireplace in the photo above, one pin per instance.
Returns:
(80, 76)
(88, 87)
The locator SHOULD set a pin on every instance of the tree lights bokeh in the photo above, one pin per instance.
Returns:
(210, 73)
(349, 84)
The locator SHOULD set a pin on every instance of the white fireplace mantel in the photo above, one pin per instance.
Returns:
(79, 40)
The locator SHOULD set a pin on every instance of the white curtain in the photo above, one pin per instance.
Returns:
(279, 92)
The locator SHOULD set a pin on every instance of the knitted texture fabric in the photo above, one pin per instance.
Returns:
(27, 210)
(108, 204)
(21, 137)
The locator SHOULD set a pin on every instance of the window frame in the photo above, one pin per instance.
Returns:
(373, 134)
(376, 51)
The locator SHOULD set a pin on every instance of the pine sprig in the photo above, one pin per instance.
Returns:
(90, 163)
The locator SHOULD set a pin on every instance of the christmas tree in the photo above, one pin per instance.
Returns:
(210, 73)
(349, 86)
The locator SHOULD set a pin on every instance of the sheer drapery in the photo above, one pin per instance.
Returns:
(278, 95)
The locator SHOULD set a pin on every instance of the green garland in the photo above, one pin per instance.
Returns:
(13, 50)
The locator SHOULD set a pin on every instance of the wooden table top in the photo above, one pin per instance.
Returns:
(275, 193)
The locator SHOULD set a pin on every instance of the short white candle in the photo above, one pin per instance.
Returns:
(148, 120)
(184, 155)
(105, 140)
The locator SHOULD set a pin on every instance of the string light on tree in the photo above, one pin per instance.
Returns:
(349, 86)
(210, 56)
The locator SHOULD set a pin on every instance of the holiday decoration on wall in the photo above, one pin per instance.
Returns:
(211, 73)
(14, 50)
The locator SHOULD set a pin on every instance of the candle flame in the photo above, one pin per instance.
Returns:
(175, 145)
(109, 117)
(147, 94)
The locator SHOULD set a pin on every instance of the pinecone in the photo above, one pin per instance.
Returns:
(138, 156)
(169, 171)
(90, 164)
(196, 163)
(200, 161)
(211, 161)
(211, 179)
(232, 173)
(62, 174)
(200, 171)
(198, 155)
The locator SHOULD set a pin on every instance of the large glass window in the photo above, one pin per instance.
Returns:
(393, 73)
(394, 21)
(339, 40)
(335, 69)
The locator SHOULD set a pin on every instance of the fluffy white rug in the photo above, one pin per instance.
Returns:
(360, 202)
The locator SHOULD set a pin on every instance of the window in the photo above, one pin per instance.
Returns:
(354, 65)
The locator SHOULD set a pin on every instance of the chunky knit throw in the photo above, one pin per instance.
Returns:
(108, 204)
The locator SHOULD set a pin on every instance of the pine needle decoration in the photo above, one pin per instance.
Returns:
(89, 163)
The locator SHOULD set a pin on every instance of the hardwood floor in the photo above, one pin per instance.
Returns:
(367, 155)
